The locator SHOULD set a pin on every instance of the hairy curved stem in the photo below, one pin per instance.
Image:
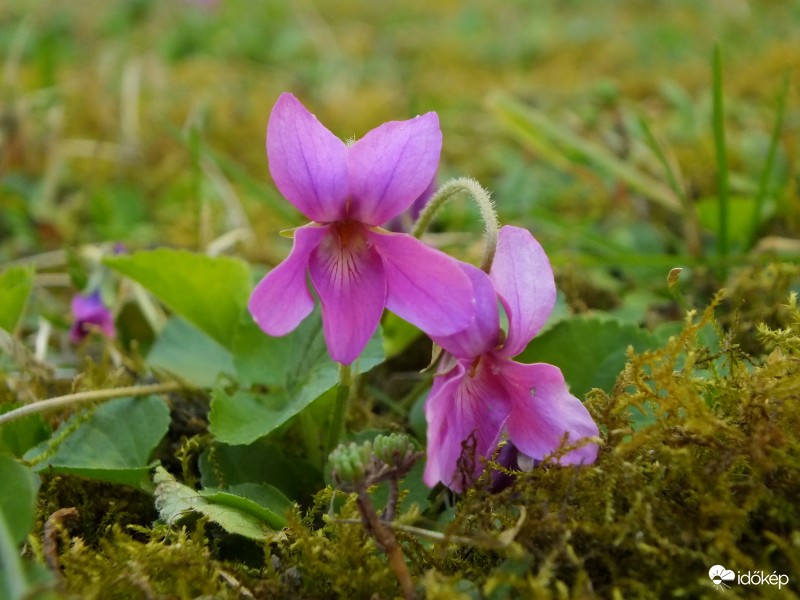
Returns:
(90, 396)
(464, 185)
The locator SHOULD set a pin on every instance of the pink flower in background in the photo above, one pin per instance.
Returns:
(479, 392)
(356, 268)
(89, 314)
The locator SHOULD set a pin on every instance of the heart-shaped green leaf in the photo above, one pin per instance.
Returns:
(261, 463)
(209, 292)
(187, 353)
(291, 371)
(112, 444)
(18, 498)
(235, 514)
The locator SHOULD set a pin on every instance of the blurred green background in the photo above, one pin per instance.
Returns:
(143, 121)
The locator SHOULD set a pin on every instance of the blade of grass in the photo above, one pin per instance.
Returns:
(723, 243)
(669, 167)
(691, 229)
(532, 125)
(238, 175)
(770, 161)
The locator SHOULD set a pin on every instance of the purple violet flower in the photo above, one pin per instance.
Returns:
(479, 392)
(355, 267)
(89, 313)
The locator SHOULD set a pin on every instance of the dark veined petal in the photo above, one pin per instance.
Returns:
(466, 407)
(543, 411)
(349, 278)
(307, 162)
(524, 280)
(426, 287)
(281, 299)
(391, 166)
(481, 335)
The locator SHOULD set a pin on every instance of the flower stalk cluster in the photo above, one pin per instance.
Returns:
(356, 468)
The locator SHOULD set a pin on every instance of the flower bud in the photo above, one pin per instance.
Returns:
(393, 449)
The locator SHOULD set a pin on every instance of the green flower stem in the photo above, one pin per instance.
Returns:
(90, 396)
(312, 438)
(336, 431)
(485, 205)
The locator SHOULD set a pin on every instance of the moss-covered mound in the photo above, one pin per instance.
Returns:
(699, 467)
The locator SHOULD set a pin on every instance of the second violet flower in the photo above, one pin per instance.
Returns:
(480, 393)
(355, 267)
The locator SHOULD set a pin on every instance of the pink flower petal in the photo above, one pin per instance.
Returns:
(425, 286)
(404, 222)
(544, 410)
(307, 162)
(468, 404)
(281, 299)
(349, 278)
(391, 166)
(524, 280)
(481, 335)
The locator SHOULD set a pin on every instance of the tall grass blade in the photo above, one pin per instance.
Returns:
(540, 132)
(723, 194)
(763, 181)
(691, 229)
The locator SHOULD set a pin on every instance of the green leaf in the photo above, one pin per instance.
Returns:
(262, 501)
(15, 287)
(209, 292)
(262, 462)
(243, 417)
(113, 444)
(295, 369)
(18, 576)
(13, 582)
(18, 499)
(590, 352)
(397, 334)
(175, 501)
(282, 361)
(20, 435)
(189, 354)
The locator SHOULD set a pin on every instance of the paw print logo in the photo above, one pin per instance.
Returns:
(719, 575)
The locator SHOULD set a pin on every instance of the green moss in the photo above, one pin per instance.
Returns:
(757, 296)
(170, 563)
(100, 506)
(698, 467)
(335, 561)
